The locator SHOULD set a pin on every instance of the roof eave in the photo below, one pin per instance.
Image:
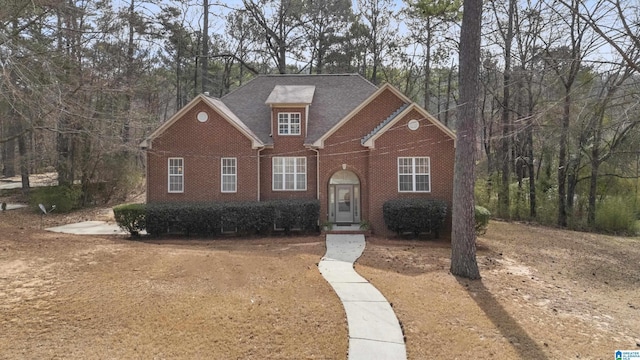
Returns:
(320, 142)
(370, 143)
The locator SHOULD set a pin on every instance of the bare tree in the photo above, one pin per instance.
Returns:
(567, 61)
(507, 33)
(377, 14)
(280, 27)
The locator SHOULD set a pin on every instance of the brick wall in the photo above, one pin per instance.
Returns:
(377, 168)
(400, 141)
(287, 146)
(202, 145)
(344, 147)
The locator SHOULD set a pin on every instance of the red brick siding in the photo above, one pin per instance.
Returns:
(400, 141)
(274, 125)
(287, 146)
(202, 145)
(344, 147)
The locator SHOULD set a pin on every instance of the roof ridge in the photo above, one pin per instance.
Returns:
(385, 122)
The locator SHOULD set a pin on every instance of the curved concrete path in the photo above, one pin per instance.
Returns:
(374, 330)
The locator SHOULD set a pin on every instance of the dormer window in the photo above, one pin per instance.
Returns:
(289, 124)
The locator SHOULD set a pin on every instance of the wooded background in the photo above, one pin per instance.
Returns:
(84, 82)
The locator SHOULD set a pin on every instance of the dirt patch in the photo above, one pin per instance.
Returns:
(84, 297)
(545, 294)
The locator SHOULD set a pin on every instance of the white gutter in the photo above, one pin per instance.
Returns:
(259, 160)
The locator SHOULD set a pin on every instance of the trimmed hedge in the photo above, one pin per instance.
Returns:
(244, 218)
(131, 217)
(482, 216)
(414, 215)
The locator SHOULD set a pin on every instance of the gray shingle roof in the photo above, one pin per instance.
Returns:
(335, 96)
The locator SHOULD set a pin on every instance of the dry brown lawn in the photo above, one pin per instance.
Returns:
(545, 293)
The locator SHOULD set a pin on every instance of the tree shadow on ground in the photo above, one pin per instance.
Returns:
(526, 347)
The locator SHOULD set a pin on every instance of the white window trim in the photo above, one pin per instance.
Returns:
(413, 173)
(289, 133)
(170, 175)
(295, 173)
(235, 175)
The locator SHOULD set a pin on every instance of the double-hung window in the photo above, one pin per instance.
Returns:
(176, 175)
(289, 124)
(289, 173)
(414, 174)
(229, 175)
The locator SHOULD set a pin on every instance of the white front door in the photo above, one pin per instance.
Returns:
(344, 203)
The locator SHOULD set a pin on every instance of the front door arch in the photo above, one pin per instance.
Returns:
(344, 197)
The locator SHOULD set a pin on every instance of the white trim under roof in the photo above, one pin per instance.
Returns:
(217, 106)
(320, 142)
(370, 143)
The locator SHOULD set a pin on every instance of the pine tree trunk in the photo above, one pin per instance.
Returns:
(463, 237)
(562, 163)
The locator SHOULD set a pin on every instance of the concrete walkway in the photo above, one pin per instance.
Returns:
(89, 228)
(374, 330)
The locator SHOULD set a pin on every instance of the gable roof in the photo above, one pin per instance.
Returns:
(335, 96)
(369, 140)
(320, 141)
(215, 104)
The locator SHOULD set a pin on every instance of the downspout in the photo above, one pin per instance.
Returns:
(259, 160)
(306, 120)
(317, 172)
(317, 177)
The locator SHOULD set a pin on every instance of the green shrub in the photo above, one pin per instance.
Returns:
(615, 215)
(296, 214)
(482, 216)
(131, 217)
(245, 218)
(414, 215)
(65, 198)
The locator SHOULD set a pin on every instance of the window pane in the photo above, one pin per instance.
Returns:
(288, 182)
(422, 165)
(176, 170)
(422, 182)
(406, 183)
(175, 183)
(289, 173)
(302, 165)
(277, 182)
(405, 165)
(277, 165)
(289, 165)
(295, 124)
(301, 181)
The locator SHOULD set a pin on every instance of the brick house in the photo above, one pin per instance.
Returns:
(336, 138)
